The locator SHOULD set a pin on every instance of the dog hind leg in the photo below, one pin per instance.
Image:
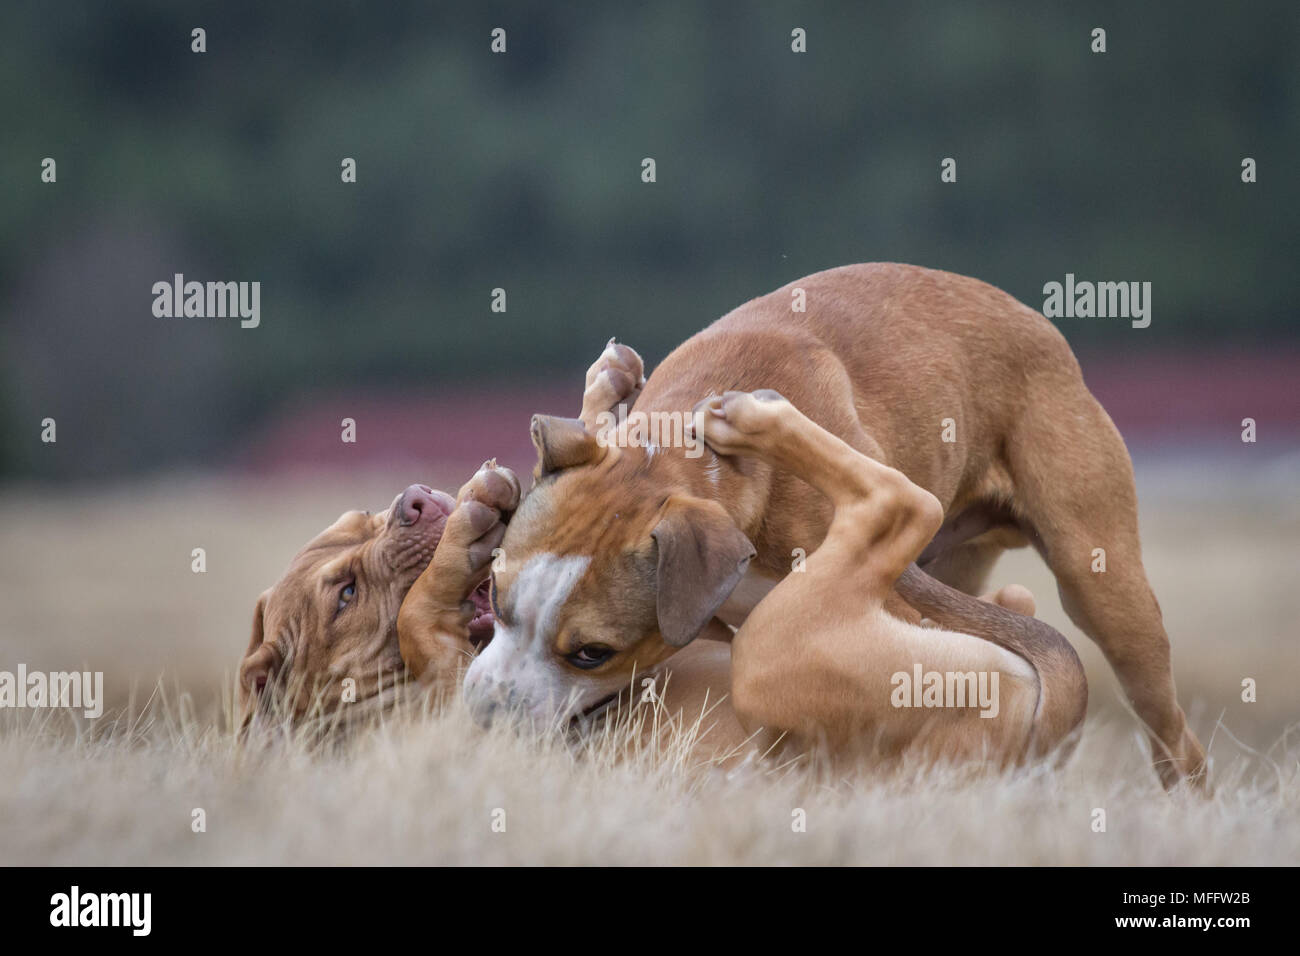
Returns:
(1074, 485)
(817, 658)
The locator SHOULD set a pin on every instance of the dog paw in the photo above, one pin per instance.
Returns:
(483, 507)
(1013, 597)
(614, 379)
(493, 485)
(738, 422)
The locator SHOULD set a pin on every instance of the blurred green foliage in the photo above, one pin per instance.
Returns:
(522, 171)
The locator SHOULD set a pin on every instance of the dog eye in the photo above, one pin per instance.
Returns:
(347, 594)
(591, 655)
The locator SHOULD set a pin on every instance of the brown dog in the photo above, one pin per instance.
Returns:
(327, 632)
(620, 556)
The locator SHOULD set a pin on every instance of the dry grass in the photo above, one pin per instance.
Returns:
(100, 578)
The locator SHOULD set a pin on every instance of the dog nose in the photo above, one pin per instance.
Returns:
(419, 500)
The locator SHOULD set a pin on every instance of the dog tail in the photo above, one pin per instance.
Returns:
(1062, 686)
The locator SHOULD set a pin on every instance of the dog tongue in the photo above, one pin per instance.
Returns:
(483, 622)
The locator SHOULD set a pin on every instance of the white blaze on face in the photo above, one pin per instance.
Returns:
(518, 670)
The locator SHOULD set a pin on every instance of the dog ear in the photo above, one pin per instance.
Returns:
(259, 614)
(563, 443)
(261, 659)
(702, 557)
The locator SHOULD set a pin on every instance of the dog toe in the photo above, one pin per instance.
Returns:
(493, 485)
(620, 358)
(476, 518)
(481, 551)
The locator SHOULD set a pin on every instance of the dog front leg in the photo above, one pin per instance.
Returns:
(613, 383)
(433, 623)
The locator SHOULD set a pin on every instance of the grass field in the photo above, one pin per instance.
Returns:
(100, 578)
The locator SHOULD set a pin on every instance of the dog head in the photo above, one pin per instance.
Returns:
(609, 566)
(333, 615)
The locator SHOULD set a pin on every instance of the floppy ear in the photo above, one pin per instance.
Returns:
(562, 443)
(261, 659)
(258, 613)
(702, 557)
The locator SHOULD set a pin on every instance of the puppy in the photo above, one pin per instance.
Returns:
(327, 632)
(625, 550)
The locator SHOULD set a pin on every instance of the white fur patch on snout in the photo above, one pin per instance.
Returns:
(518, 670)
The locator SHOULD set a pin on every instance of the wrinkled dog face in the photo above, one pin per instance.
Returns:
(334, 613)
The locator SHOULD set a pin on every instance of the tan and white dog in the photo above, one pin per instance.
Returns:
(999, 687)
(620, 556)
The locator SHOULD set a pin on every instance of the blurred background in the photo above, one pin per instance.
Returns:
(522, 171)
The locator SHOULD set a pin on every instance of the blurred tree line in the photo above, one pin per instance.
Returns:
(522, 171)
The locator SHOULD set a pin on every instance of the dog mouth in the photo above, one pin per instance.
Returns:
(591, 713)
(482, 623)
(621, 703)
